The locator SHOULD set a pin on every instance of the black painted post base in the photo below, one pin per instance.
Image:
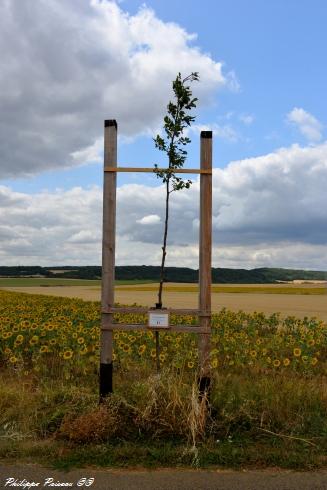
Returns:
(105, 380)
(204, 384)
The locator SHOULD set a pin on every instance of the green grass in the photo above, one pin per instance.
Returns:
(148, 285)
(41, 281)
(151, 455)
(45, 282)
(240, 289)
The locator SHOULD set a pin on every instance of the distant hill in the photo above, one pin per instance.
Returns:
(173, 274)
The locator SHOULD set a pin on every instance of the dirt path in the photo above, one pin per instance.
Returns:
(288, 304)
(160, 479)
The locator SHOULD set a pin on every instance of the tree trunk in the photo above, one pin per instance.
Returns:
(162, 273)
(163, 259)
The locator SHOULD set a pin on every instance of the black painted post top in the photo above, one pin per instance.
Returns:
(110, 122)
(206, 134)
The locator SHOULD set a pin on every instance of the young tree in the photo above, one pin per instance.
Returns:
(173, 143)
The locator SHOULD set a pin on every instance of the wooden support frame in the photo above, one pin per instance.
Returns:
(108, 255)
(108, 308)
(155, 170)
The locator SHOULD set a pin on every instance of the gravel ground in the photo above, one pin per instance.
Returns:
(28, 476)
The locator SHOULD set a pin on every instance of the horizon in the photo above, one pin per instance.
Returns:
(158, 266)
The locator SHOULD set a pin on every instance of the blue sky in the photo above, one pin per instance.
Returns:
(261, 90)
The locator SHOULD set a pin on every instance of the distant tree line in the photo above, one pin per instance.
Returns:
(172, 274)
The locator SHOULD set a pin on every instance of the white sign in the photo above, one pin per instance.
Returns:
(158, 319)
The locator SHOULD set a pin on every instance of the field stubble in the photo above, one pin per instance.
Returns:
(289, 299)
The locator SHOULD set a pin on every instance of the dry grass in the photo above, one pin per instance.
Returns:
(250, 417)
(98, 424)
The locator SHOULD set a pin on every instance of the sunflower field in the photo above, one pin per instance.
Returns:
(53, 336)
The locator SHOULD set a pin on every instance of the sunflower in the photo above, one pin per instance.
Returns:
(214, 363)
(297, 352)
(34, 340)
(142, 349)
(68, 354)
(276, 362)
(127, 348)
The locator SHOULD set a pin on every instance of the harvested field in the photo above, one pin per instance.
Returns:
(304, 301)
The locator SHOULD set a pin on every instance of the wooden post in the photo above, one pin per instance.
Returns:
(205, 260)
(108, 256)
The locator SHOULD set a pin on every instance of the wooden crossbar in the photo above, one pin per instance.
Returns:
(140, 326)
(155, 170)
(140, 310)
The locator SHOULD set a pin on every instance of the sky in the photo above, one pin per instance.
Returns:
(68, 65)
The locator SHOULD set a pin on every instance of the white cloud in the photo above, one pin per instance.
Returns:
(92, 153)
(67, 65)
(246, 119)
(225, 128)
(225, 132)
(233, 82)
(222, 131)
(85, 236)
(150, 219)
(289, 254)
(267, 211)
(307, 124)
